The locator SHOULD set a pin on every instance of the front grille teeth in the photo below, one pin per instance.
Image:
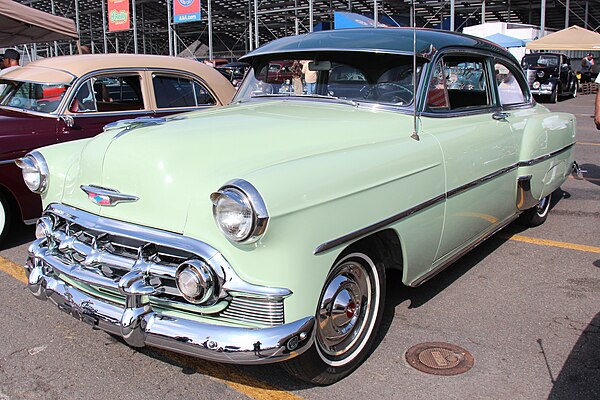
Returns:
(112, 256)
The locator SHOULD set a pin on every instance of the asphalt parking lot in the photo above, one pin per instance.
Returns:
(526, 304)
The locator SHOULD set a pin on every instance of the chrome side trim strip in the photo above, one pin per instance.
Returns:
(8, 161)
(480, 181)
(395, 218)
(378, 225)
(461, 253)
(540, 159)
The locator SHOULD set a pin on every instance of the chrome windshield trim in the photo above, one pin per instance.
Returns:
(544, 157)
(397, 217)
(53, 114)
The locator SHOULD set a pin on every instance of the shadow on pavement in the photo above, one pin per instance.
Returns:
(19, 234)
(592, 173)
(580, 375)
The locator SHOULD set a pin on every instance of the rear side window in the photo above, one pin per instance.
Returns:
(174, 91)
(459, 83)
(509, 88)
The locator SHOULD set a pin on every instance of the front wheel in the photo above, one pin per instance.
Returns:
(348, 318)
(537, 215)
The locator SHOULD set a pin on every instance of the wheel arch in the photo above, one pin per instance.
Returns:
(387, 245)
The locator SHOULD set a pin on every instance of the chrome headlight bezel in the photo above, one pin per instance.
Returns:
(35, 161)
(240, 190)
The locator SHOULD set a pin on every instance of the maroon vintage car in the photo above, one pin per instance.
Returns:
(67, 98)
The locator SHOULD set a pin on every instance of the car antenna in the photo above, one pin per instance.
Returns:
(414, 135)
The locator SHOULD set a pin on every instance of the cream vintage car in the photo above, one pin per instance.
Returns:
(263, 231)
(59, 99)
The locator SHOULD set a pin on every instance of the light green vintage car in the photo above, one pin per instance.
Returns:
(262, 231)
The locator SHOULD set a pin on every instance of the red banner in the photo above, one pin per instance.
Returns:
(186, 11)
(118, 15)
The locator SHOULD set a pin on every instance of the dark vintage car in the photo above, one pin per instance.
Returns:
(550, 75)
(66, 98)
(234, 71)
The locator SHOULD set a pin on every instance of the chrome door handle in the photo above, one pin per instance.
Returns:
(500, 116)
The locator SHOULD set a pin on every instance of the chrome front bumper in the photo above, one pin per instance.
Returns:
(139, 325)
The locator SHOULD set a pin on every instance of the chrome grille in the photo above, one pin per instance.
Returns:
(104, 253)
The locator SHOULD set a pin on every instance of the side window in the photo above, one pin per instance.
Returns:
(466, 82)
(509, 88)
(173, 91)
(108, 93)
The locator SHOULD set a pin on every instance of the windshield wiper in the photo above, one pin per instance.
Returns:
(304, 96)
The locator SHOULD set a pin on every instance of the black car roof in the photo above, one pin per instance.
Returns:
(380, 40)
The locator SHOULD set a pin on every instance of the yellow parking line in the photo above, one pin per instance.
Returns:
(228, 375)
(589, 143)
(232, 377)
(12, 269)
(552, 243)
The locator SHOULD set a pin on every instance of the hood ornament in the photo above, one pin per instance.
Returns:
(106, 197)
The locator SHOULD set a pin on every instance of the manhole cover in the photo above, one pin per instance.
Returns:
(439, 358)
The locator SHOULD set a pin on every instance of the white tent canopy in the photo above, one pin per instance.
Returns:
(573, 38)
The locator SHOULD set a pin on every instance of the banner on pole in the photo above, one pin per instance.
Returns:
(118, 15)
(186, 11)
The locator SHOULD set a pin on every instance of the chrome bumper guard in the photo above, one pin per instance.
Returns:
(139, 325)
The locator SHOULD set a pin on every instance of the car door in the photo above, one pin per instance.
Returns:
(479, 150)
(101, 99)
(174, 92)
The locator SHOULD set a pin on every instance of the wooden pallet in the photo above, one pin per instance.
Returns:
(588, 88)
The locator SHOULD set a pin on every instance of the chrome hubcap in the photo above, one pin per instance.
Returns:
(344, 309)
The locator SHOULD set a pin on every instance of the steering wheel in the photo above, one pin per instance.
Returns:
(389, 92)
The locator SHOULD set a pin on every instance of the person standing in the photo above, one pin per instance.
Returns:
(297, 77)
(587, 63)
(597, 108)
(310, 77)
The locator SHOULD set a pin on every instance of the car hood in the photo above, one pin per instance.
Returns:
(174, 167)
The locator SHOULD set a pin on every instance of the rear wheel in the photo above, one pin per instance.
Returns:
(348, 318)
(5, 217)
(537, 215)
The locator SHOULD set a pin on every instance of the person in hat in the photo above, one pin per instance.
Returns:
(10, 60)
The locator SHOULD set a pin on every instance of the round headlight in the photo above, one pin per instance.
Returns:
(35, 171)
(239, 211)
(196, 283)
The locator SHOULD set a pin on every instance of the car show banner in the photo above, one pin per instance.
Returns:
(118, 15)
(186, 11)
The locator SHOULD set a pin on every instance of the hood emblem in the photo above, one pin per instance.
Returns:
(107, 197)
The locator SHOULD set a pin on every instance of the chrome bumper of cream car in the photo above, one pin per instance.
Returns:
(139, 325)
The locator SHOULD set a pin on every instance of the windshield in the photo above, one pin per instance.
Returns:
(358, 78)
(31, 96)
(540, 61)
